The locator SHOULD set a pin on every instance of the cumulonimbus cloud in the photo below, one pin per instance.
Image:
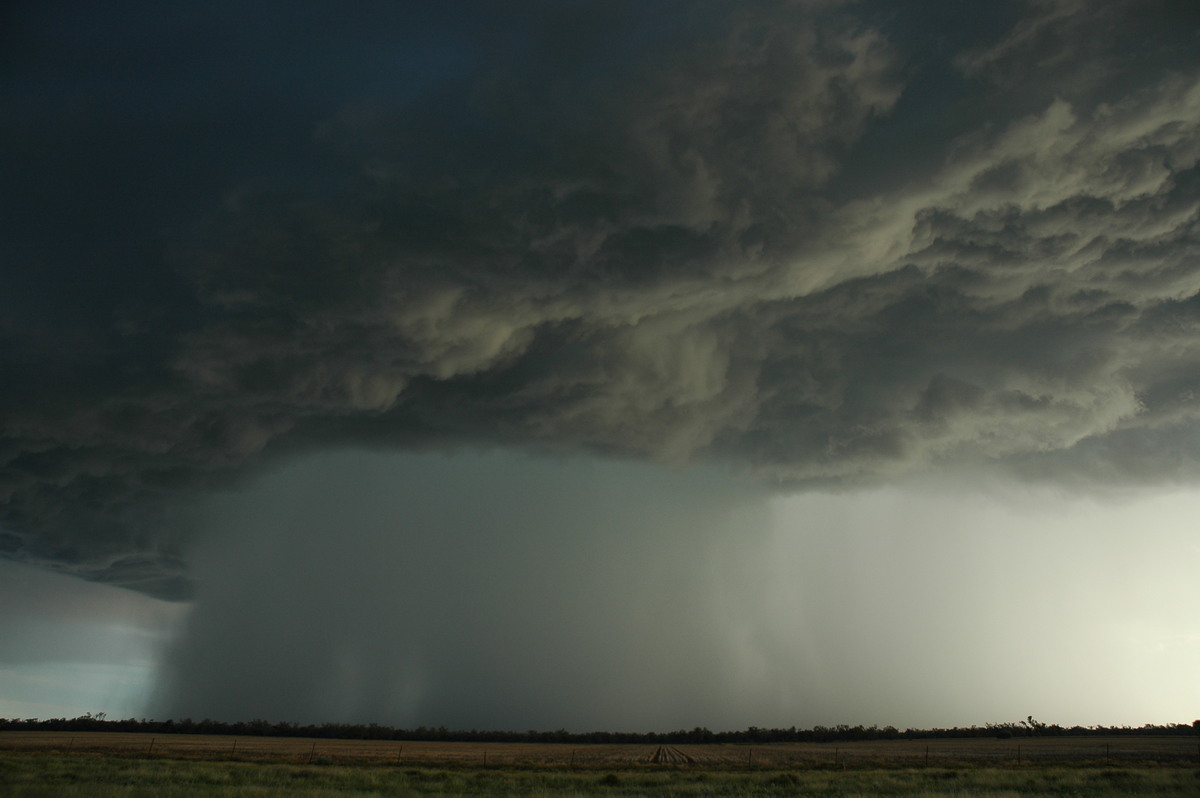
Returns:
(662, 250)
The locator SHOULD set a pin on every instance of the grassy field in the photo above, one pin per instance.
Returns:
(110, 765)
(887, 753)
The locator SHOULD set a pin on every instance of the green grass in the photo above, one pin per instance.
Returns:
(31, 775)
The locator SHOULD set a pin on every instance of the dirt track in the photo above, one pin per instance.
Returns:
(669, 755)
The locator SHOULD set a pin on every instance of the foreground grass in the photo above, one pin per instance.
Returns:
(30, 775)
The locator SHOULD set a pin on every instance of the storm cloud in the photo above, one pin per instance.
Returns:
(816, 244)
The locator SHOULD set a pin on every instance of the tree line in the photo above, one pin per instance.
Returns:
(373, 731)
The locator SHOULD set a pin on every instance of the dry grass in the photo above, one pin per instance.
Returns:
(44, 773)
(113, 765)
(776, 756)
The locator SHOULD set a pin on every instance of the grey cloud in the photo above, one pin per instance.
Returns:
(1077, 48)
(998, 309)
(653, 246)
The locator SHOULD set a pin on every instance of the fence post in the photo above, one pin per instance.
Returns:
(313, 751)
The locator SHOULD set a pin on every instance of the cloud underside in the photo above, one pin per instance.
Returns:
(675, 260)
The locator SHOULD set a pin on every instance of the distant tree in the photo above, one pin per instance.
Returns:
(1034, 726)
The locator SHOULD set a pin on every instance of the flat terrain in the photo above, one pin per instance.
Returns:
(114, 765)
(48, 774)
(1178, 750)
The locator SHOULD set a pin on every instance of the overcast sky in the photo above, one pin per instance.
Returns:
(601, 364)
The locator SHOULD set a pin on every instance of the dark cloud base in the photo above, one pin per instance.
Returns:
(828, 243)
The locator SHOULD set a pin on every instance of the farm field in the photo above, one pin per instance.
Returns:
(108, 765)
(1019, 751)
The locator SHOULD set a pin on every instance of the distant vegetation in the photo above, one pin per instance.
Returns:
(753, 734)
